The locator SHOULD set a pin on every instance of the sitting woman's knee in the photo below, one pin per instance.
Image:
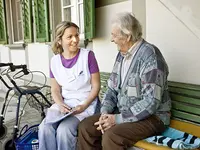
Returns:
(69, 127)
(46, 129)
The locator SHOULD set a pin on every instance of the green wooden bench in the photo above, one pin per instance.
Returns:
(185, 109)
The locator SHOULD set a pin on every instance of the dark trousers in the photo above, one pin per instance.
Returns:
(118, 137)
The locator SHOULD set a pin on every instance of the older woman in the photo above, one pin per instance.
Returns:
(137, 88)
(75, 83)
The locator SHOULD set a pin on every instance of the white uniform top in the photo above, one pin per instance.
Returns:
(75, 82)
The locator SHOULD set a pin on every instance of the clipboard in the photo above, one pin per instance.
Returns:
(54, 116)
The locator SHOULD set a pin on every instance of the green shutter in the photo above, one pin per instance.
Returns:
(3, 33)
(89, 18)
(27, 20)
(41, 20)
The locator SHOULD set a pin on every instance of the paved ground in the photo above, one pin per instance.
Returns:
(30, 116)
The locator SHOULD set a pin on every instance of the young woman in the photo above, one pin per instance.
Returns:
(75, 83)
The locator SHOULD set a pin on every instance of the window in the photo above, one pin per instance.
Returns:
(72, 10)
(82, 13)
(27, 20)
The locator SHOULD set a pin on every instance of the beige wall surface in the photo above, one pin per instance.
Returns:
(104, 50)
(39, 56)
(174, 27)
(4, 54)
(139, 10)
(4, 58)
(18, 57)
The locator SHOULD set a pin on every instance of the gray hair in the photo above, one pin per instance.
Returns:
(128, 25)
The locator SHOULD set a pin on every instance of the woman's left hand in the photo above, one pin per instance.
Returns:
(79, 109)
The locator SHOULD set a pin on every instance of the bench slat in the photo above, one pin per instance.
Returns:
(185, 92)
(184, 85)
(184, 99)
(193, 109)
(185, 116)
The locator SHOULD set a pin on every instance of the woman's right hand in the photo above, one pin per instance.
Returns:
(65, 108)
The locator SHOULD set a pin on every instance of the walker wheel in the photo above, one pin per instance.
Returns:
(8, 145)
(3, 131)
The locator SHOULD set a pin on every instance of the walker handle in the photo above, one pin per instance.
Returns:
(6, 64)
(23, 67)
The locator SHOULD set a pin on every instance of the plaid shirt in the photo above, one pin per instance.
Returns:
(144, 91)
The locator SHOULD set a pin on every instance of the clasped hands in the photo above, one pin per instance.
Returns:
(106, 121)
(76, 110)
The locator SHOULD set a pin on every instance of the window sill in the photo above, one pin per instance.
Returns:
(81, 43)
(22, 46)
(17, 46)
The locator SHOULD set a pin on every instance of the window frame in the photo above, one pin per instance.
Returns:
(28, 33)
(11, 11)
(53, 16)
(4, 35)
(77, 14)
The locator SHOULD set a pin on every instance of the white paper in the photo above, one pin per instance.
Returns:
(54, 115)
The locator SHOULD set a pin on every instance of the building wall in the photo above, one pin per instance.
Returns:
(4, 54)
(18, 57)
(104, 50)
(37, 57)
(139, 10)
(4, 58)
(174, 26)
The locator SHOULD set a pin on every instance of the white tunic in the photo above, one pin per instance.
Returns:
(74, 82)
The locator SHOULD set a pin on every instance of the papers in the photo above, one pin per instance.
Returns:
(54, 115)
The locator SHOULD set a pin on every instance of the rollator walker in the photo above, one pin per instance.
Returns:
(19, 91)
